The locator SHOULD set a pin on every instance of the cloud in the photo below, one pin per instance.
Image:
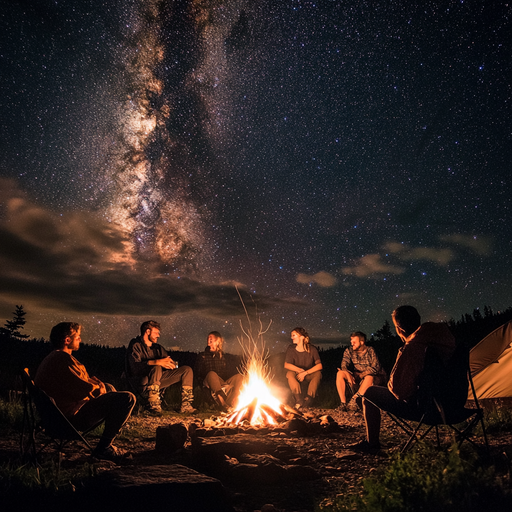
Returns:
(479, 244)
(323, 279)
(405, 253)
(372, 265)
(78, 262)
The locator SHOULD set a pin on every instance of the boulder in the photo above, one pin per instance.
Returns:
(168, 487)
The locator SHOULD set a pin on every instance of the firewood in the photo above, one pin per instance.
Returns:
(251, 408)
(272, 414)
(286, 409)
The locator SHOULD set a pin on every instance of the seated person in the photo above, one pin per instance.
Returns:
(212, 371)
(304, 367)
(400, 396)
(360, 369)
(85, 401)
(152, 369)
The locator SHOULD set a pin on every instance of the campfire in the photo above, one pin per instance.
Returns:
(256, 404)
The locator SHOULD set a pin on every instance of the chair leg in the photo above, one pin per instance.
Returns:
(413, 437)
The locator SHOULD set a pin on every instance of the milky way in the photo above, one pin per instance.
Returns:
(333, 159)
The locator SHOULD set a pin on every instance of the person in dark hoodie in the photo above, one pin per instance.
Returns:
(400, 395)
(213, 372)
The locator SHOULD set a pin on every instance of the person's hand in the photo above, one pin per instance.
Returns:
(166, 363)
(350, 379)
(301, 375)
(101, 386)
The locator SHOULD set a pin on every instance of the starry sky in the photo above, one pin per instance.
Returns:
(319, 162)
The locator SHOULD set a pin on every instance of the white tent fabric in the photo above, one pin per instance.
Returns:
(491, 364)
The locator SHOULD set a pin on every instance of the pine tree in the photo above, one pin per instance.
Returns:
(12, 327)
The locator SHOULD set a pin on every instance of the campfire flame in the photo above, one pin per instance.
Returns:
(256, 404)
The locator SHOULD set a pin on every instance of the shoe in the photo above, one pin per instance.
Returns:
(220, 398)
(187, 408)
(352, 406)
(110, 453)
(308, 401)
(364, 447)
(342, 407)
(154, 408)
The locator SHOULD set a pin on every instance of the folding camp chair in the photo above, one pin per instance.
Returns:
(41, 415)
(441, 401)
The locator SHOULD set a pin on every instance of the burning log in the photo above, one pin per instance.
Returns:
(274, 416)
(251, 408)
(286, 409)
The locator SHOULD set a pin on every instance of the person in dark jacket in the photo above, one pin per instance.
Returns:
(213, 372)
(400, 395)
(152, 369)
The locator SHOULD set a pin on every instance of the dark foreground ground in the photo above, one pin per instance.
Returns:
(294, 467)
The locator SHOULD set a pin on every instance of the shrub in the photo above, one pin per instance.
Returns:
(498, 419)
(11, 415)
(427, 480)
(26, 485)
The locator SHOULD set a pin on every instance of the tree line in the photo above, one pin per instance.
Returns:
(18, 351)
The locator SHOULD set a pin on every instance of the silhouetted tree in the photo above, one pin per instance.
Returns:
(12, 327)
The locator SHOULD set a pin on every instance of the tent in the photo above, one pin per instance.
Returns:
(491, 364)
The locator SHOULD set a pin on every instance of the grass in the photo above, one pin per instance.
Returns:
(26, 486)
(425, 480)
(498, 419)
(11, 414)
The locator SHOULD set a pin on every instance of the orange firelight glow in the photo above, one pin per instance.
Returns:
(256, 403)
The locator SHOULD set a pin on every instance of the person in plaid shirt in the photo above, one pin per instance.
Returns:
(360, 369)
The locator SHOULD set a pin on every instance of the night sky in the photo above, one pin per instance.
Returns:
(331, 160)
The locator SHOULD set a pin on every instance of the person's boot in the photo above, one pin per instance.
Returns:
(299, 401)
(222, 400)
(187, 397)
(152, 394)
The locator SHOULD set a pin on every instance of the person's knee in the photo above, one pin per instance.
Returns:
(291, 376)
(128, 398)
(366, 382)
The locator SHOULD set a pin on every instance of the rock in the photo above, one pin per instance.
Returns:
(269, 473)
(301, 473)
(259, 458)
(268, 507)
(170, 438)
(297, 424)
(173, 487)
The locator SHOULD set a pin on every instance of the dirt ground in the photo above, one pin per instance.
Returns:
(335, 469)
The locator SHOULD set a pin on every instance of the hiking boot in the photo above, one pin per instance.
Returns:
(110, 453)
(352, 406)
(154, 408)
(364, 447)
(187, 398)
(343, 407)
(221, 400)
(187, 408)
(308, 401)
